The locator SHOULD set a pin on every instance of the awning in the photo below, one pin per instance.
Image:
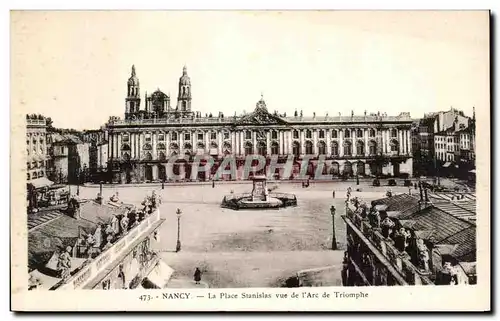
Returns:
(447, 164)
(41, 182)
(160, 275)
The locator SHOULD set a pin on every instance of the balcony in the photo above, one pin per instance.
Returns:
(398, 263)
(109, 258)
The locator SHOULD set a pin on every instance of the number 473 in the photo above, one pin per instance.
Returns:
(145, 297)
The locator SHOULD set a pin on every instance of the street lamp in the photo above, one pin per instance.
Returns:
(334, 239)
(78, 182)
(179, 213)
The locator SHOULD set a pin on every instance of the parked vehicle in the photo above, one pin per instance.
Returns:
(376, 182)
(392, 182)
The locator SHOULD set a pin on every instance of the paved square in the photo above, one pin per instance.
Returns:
(249, 248)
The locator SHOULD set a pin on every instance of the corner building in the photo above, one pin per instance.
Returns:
(141, 143)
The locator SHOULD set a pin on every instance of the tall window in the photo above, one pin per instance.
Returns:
(296, 149)
(148, 138)
(262, 148)
(296, 134)
(309, 148)
(372, 133)
(161, 137)
(187, 136)
(213, 135)
(274, 134)
(248, 134)
(359, 133)
(321, 148)
(200, 136)
(335, 149)
(347, 133)
(334, 133)
(308, 134)
(248, 148)
(226, 135)
(394, 146)
(373, 148)
(275, 148)
(174, 136)
(321, 133)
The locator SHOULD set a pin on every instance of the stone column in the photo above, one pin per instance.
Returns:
(268, 143)
(367, 149)
(242, 142)
(302, 133)
(400, 141)
(219, 141)
(155, 171)
(328, 138)
(315, 141)
(141, 145)
(409, 143)
(119, 145)
(154, 142)
(181, 143)
(341, 143)
(354, 140)
(254, 141)
(167, 145)
(207, 141)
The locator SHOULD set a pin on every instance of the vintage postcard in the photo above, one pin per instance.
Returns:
(250, 160)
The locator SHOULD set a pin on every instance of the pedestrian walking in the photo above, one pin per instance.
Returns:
(213, 184)
(197, 276)
(333, 194)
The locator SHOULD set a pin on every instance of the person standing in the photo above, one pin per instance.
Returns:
(345, 268)
(197, 276)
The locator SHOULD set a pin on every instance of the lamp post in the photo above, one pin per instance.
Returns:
(179, 213)
(334, 239)
(78, 181)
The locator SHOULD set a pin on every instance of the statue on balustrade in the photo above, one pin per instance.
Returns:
(423, 254)
(374, 218)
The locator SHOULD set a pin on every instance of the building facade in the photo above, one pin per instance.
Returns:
(69, 158)
(140, 145)
(36, 150)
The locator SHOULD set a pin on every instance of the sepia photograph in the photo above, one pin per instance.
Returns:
(200, 151)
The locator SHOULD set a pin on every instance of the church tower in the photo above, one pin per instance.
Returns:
(184, 95)
(133, 100)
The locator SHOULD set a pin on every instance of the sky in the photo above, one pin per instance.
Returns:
(74, 66)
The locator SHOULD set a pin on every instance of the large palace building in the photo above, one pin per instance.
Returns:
(140, 145)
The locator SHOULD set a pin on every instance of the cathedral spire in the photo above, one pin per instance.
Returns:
(184, 70)
(133, 70)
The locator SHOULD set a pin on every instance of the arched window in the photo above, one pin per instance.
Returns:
(160, 146)
(308, 134)
(373, 147)
(334, 133)
(359, 133)
(248, 148)
(296, 148)
(348, 169)
(174, 146)
(347, 149)
(360, 167)
(309, 148)
(321, 133)
(125, 147)
(227, 148)
(147, 146)
(275, 148)
(200, 146)
(126, 156)
(347, 133)
(360, 148)
(335, 149)
(213, 145)
(187, 146)
(161, 156)
(321, 148)
(295, 134)
(174, 136)
(372, 132)
(147, 156)
(262, 148)
(335, 169)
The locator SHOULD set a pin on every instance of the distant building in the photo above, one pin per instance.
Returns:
(36, 150)
(69, 158)
(98, 154)
(412, 240)
(140, 145)
(436, 141)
